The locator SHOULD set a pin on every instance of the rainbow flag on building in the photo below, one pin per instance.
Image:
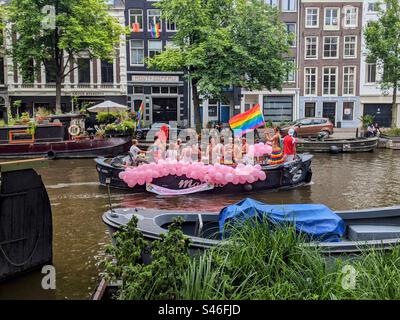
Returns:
(155, 31)
(140, 115)
(248, 120)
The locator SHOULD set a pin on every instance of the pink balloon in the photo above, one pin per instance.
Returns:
(236, 180)
(218, 176)
(141, 181)
(262, 175)
(229, 177)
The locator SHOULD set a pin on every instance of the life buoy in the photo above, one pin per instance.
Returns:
(51, 155)
(74, 130)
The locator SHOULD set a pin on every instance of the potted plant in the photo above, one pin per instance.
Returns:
(100, 134)
(25, 118)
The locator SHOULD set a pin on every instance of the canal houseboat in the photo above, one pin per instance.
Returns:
(57, 138)
(338, 145)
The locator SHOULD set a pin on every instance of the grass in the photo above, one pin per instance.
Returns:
(257, 262)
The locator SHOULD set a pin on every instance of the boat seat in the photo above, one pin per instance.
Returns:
(372, 232)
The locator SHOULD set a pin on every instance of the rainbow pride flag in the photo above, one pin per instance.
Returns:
(155, 31)
(140, 115)
(248, 120)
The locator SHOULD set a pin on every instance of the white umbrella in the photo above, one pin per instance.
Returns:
(107, 106)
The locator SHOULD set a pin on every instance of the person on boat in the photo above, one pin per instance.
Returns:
(228, 152)
(237, 151)
(370, 130)
(289, 146)
(277, 154)
(156, 150)
(218, 151)
(377, 130)
(133, 159)
(172, 152)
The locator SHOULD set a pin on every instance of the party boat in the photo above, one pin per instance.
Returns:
(267, 177)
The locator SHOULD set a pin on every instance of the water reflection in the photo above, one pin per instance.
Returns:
(348, 181)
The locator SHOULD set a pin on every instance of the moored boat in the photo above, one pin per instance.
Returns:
(338, 145)
(52, 140)
(363, 229)
(288, 175)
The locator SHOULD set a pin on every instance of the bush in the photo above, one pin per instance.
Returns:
(126, 127)
(106, 118)
(393, 132)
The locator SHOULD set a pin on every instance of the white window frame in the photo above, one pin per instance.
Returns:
(273, 3)
(130, 20)
(355, 47)
(283, 2)
(367, 73)
(345, 17)
(148, 19)
(305, 48)
(328, 26)
(337, 49)
(295, 33)
(167, 27)
(354, 81)
(130, 52)
(330, 87)
(154, 40)
(293, 61)
(305, 82)
(306, 19)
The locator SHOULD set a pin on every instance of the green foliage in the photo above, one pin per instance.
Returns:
(125, 127)
(32, 127)
(224, 43)
(366, 120)
(81, 26)
(393, 132)
(162, 278)
(381, 39)
(106, 117)
(42, 112)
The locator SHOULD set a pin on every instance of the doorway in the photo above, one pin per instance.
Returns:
(165, 109)
(329, 111)
(382, 113)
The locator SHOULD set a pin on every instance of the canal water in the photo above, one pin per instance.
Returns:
(346, 181)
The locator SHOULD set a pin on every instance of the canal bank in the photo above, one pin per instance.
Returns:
(345, 181)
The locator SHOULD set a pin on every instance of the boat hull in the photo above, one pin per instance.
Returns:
(153, 223)
(286, 176)
(89, 148)
(338, 145)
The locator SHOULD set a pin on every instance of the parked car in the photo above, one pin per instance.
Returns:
(149, 133)
(310, 127)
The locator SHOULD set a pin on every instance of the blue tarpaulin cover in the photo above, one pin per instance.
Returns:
(316, 220)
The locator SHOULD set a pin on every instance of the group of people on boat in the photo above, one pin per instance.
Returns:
(373, 130)
(233, 151)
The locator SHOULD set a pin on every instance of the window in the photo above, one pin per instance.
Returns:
(310, 81)
(289, 5)
(309, 110)
(29, 76)
(136, 19)
(350, 47)
(331, 45)
(312, 17)
(107, 72)
(373, 6)
(349, 79)
(278, 108)
(331, 18)
(311, 47)
(155, 47)
(291, 30)
(171, 26)
(371, 72)
(153, 17)
(1, 70)
(155, 90)
(212, 111)
(138, 90)
(330, 81)
(348, 111)
(83, 70)
(137, 52)
(50, 70)
(290, 76)
(350, 17)
(272, 2)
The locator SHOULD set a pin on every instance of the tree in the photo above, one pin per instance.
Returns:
(56, 33)
(383, 47)
(223, 43)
